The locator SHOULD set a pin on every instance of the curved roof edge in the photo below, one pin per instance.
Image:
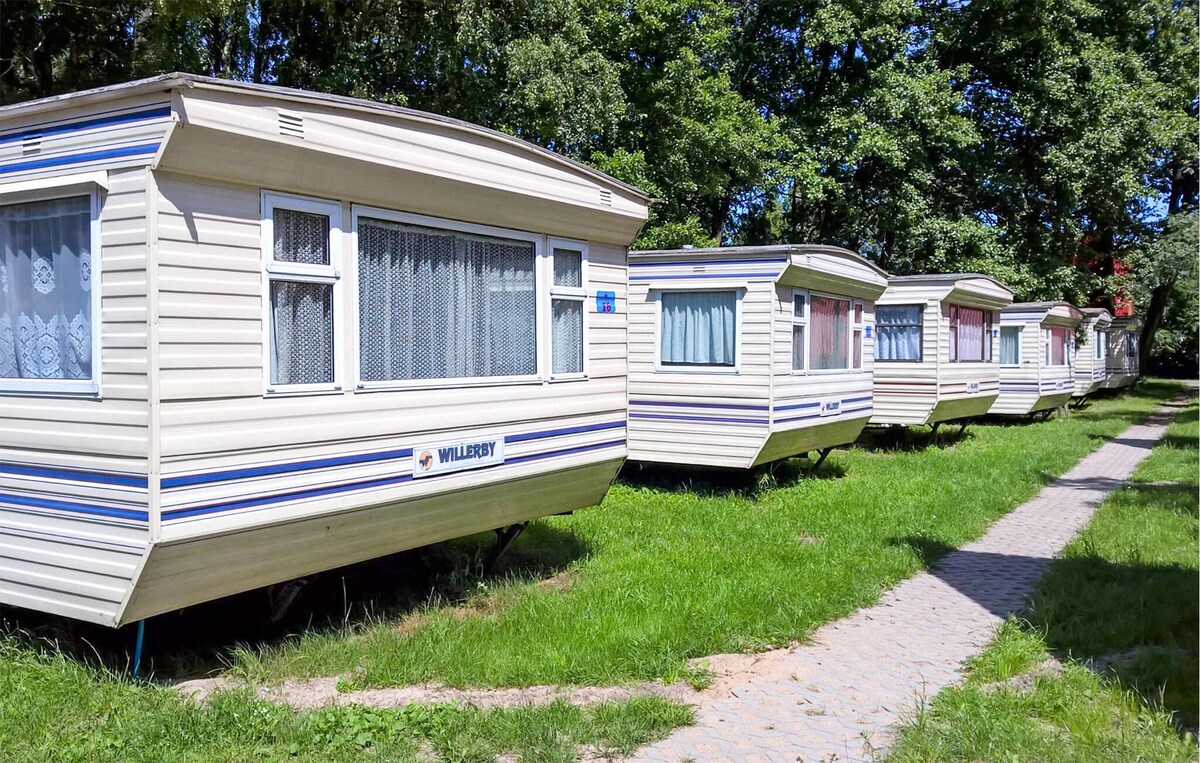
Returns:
(185, 80)
(747, 251)
(1095, 311)
(947, 277)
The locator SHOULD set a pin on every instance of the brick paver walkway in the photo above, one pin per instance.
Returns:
(836, 698)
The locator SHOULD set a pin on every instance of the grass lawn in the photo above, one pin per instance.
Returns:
(54, 709)
(667, 570)
(1123, 597)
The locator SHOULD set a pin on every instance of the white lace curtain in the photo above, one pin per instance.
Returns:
(45, 290)
(437, 304)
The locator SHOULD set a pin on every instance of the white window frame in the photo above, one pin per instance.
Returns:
(739, 289)
(575, 294)
(50, 189)
(541, 303)
(921, 308)
(859, 327)
(1049, 353)
(849, 335)
(1020, 339)
(798, 320)
(955, 322)
(1099, 336)
(331, 274)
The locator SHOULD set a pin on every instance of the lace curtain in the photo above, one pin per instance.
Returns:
(437, 304)
(698, 328)
(897, 332)
(45, 290)
(966, 334)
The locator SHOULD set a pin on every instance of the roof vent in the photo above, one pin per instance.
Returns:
(605, 197)
(31, 144)
(291, 125)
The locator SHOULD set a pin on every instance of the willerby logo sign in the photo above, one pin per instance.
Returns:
(429, 460)
(831, 407)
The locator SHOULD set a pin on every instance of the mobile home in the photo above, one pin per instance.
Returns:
(250, 333)
(741, 356)
(1091, 361)
(936, 357)
(1124, 347)
(1037, 348)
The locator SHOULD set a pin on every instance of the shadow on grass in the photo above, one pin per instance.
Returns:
(715, 482)
(1133, 621)
(195, 641)
(910, 439)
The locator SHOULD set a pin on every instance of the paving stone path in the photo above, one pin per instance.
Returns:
(836, 698)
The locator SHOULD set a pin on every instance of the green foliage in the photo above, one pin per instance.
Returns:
(1164, 284)
(1036, 142)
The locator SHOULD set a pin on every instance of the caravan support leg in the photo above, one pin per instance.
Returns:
(137, 648)
(820, 459)
(504, 538)
(962, 429)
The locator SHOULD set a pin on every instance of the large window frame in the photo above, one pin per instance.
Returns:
(51, 190)
(985, 327)
(920, 325)
(330, 274)
(1100, 339)
(739, 292)
(856, 321)
(566, 293)
(1066, 346)
(1000, 350)
(542, 274)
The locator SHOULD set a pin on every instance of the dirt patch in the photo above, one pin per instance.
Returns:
(316, 693)
(1028, 680)
(560, 582)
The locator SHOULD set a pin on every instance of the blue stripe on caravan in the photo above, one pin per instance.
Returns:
(87, 124)
(265, 470)
(702, 263)
(856, 399)
(99, 478)
(700, 405)
(798, 406)
(71, 506)
(817, 415)
(565, 431)
(717, 419)
(317, 492)
(90, 156)
(667, 277)
(271, 469)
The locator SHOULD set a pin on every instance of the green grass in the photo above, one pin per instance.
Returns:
(666, 572)
(54, 709)
(1120, 609)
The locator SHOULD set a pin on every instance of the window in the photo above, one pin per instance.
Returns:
(799, 319)
(1098, 340)
(1056, 346)
(970, 331)
(1010, 345)
(567, 294)
(898, 330)
(698, 328)
(829, 324)
(856, 342)
(436, 303)
(302, 242)
(49, 300)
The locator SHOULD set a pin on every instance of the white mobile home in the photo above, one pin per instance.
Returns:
(1124, 347)
(1037, 348)
(741, 356)
(250, 333)
(1091, 361)
(936, 356)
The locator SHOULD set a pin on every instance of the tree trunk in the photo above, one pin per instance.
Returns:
(1152, 320)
